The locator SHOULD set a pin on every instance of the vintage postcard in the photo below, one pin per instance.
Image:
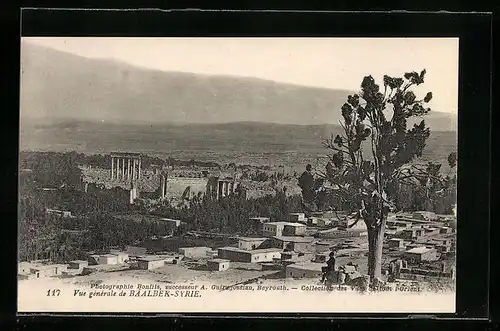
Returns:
(238, 175)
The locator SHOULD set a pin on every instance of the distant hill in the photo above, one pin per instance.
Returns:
(70, 102)
(58, 86)
(239, 142)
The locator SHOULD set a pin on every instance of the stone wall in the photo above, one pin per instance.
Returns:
(149, 182)
(178, 181)
(177, 185)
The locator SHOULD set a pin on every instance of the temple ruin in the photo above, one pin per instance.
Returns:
(125, 166)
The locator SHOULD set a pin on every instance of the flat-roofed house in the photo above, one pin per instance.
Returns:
(412, 220)
(443, 248)
(150, 262)
(353, 225)
(108, 259)
(399, 224)
(78, 264)
(218, 264)
(444, 241)
(258, 223)
(294, 229)
(250, 243)
(397, 243)
(293, 243)
(253, 256)
(323, 246)
(415, 245)
(445, 230)
(121, 257)
(325, 214)
(412, 233)
(195, 252)
(272, 229)
(340, 233)
(297, 218)
(431, 231)
(425, 216)
(49, 270)
(24, 267)
(391, 231)
(312, 220)
(419, 254)
(289, 256)
(323, 221)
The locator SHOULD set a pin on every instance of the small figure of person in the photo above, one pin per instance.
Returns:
(330, 266)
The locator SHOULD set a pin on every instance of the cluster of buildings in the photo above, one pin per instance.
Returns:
(400, 269)
(299, 247)
(276, 238)
(293, 245)
(131, 257)
(421, 236)
(43, 268)
(40, 269)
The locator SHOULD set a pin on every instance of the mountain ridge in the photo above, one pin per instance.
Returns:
(68, 123)
(61, 86)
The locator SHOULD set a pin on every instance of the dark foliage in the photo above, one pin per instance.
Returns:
(97, 224)
(371, 181)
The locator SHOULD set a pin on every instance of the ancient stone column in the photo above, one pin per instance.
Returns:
(129, 170)
(123, 168)
(112, 167)
(162, 186)
(133, 169)
(137, 169)
(117, 170)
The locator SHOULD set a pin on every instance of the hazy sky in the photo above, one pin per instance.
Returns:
(322, 62)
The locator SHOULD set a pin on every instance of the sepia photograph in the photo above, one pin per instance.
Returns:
(287, 175)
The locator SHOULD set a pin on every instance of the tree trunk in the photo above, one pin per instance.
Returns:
(375, 243)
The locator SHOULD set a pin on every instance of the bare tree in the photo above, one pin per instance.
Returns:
(375, 152)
